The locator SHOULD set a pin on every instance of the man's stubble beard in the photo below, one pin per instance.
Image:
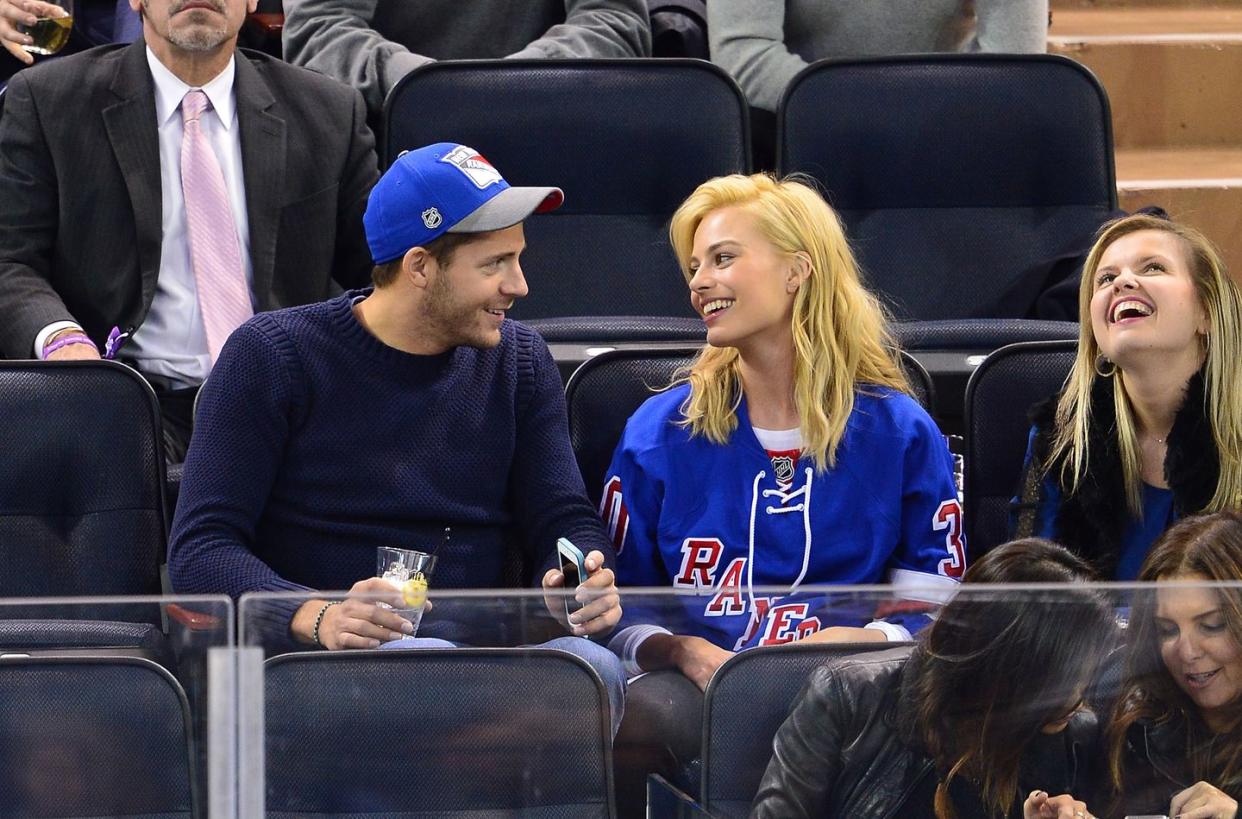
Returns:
(452, 322)
(195, 39)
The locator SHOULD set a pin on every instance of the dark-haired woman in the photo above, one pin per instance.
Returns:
(1176, 736)
(984, 717)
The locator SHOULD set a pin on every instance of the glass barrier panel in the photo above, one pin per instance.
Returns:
(502, 706)
(117, 706)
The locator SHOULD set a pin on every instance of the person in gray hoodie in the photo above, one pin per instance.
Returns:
(372, 44)
(764, 43)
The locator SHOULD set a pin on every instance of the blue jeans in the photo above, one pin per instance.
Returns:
(600, 658)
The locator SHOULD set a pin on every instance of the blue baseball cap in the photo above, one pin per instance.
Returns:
(444, 188)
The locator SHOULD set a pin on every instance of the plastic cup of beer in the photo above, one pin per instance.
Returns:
(410, 571)
(51, 31)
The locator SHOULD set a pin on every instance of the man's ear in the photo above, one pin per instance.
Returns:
(418, 267)
(799, 271)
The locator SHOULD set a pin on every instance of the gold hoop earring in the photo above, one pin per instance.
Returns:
(1103, 367)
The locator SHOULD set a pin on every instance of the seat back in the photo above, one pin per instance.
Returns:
(94, 737)
(606, 390)
(437, 733)
(961, 178)
(627, 140)
(761, 685)
(57, 637)
(999, 396)
(82, 488)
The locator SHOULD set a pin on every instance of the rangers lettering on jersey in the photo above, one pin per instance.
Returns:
(698, 563)
(725, 522)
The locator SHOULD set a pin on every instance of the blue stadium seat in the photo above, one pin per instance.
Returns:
(82, 489)
(999, 394)
(763, 684)
(627, 140)
(87, 737)
(432, 733)
(962, 178)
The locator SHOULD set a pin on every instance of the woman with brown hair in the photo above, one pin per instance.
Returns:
(1175, 740)
(987, 706)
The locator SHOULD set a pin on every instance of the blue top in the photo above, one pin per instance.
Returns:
(1137, 537)
(315, 443)
(716, 519)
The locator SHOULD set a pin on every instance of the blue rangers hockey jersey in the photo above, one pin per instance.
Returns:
(719, 522)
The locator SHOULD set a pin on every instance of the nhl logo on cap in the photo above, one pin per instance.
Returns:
(432, 218)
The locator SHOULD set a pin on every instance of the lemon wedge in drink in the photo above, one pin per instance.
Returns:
(414, 591)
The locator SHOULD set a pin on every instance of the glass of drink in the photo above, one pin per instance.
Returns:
(51, 31)
(410, 571)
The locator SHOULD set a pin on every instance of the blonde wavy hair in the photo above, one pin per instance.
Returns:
(1222, 377)
(840, 332)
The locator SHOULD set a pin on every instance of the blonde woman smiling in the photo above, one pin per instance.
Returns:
(791, 454)
(1149, 425)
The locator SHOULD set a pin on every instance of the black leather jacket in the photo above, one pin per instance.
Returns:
(841, 752)
(1155, 767)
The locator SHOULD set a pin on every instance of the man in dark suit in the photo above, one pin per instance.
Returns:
(160, 193)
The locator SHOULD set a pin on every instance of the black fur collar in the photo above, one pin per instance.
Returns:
(1092, 520)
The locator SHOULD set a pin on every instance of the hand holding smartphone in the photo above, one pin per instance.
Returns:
(573, 567)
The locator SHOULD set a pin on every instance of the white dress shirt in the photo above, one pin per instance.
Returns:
(172, 342)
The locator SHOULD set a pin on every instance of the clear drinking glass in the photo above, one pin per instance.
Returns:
(50, 33)
(410, 571)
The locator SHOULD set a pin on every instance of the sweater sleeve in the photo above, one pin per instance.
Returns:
(596, 28)
(1011, 26)
(747, 39)
(546, 493)
(242, 425)
(337, 38)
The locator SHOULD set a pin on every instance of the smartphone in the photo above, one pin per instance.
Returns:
(573, 566)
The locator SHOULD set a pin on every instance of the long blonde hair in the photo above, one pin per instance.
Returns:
(840, 334)
(1222, 377)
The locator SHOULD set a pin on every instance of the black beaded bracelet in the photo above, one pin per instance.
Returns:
(319, 620)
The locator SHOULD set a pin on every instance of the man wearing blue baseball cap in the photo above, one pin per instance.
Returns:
(383, 416)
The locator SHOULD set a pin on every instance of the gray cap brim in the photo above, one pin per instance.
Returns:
(509, 207)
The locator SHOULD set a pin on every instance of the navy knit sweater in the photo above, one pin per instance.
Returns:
(315, 443)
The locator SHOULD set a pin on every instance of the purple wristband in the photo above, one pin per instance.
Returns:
(66, 340)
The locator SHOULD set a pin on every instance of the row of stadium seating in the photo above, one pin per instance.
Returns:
(96, 522)
(969, 184)
(491, 731)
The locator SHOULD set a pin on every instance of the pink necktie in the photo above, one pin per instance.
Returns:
(215, 255)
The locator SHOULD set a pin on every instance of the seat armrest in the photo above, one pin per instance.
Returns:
(665, 799)
(192, 620)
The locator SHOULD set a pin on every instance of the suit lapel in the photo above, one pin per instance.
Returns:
(130, 123)
(263, 166)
